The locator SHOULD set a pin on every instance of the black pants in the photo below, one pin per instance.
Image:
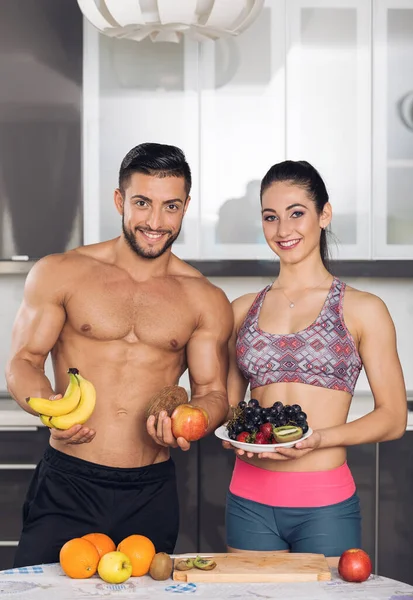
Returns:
(69, 497)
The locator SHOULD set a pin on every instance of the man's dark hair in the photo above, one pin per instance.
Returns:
(159, 160)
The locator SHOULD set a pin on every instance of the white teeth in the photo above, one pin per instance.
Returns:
(289, 243)
(154, 236)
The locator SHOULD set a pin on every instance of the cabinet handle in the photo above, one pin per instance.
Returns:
(9, 543)
(19, 428)
(17, 467)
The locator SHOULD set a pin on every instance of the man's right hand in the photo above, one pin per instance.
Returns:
(78, 434)
(160, 430)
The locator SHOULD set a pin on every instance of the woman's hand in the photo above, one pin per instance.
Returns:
(300, 449)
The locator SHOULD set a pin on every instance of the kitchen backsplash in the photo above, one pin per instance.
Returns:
(397, 293)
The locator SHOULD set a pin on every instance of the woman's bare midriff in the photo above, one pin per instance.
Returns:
(126, 376)
(324, 408)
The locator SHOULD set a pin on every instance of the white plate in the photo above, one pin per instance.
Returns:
(221, 433)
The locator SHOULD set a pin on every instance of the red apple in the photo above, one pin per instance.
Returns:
(355, 565)
(189, 422)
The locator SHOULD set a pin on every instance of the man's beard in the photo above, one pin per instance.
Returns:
(148, 252)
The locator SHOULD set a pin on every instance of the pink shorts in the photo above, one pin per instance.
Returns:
(292, 489)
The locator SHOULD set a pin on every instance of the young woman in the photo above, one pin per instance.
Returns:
(303, 340)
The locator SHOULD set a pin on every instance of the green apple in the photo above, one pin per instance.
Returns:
(115, 567)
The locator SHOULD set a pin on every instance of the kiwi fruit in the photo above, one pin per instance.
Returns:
(161, 566)
(184, 565)
(287, 433)
(204, 564)
(167, 399)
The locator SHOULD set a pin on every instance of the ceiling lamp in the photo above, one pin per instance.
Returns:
(169, 20)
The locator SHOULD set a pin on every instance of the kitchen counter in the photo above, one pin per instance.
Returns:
(12, 416)
(48, 583)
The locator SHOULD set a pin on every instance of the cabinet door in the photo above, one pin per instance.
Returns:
(23, 447)
(215, 470)
(14, 484)
(40, 128)
(362, 462)
(395, 550)
(393, 129)
(242, 133)
(186, 464)
(328, 110)
(7, 553)
(136, 92)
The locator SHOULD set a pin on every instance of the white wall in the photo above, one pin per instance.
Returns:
(397, 293)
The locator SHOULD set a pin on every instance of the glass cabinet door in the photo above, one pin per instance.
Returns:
(393, 129)
(133, 93)
(242, 134)
(328, 99)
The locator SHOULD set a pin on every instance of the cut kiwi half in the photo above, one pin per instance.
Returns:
(287, 433)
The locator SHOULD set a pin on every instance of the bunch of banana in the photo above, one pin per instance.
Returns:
(74, 408)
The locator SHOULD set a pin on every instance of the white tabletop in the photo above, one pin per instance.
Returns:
(48, 582)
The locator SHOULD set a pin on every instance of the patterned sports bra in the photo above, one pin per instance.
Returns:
(323, 354)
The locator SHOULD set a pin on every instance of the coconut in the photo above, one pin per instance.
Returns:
(167, 399)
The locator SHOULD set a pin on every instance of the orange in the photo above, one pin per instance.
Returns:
(140, 551)
(79, 558)
(101, 541)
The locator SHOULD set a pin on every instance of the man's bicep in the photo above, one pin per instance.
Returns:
(207, 358)
(207, 350)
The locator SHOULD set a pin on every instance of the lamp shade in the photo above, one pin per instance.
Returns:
(169, 20)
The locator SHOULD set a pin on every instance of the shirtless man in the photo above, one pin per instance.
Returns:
(132, 317)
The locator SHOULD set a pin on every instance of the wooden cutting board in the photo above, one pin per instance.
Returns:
(243, 568)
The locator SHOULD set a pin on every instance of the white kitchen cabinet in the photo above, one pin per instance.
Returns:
(328, 81)
(329, 109)
(135, 93)
(242, 134)
(393, 129)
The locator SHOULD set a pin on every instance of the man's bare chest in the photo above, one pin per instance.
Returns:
(158, 315)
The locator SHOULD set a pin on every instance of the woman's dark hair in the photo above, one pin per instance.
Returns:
(160, 160)
(304, 175)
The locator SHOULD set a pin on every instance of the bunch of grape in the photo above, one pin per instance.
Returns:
(253, 423)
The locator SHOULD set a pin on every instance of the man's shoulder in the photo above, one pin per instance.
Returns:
(196, 283)
(69, 263)
(203, 295)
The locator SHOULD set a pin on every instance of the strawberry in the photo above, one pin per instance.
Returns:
(266, 429)
(243, 436)
(260, 438)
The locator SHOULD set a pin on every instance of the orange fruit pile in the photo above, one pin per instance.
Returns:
(140, 551)
(80, 557)
(101, 541)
